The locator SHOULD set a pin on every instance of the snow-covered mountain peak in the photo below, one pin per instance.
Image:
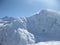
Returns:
(45, 25)
(6, 18)
(41, 27)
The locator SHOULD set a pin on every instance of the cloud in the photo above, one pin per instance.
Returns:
(47, 3)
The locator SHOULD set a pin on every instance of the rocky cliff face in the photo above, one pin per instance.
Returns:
(45, 25)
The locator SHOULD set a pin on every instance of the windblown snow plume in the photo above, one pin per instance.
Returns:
(40, 29)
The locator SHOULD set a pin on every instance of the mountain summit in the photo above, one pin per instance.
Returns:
(45, 25)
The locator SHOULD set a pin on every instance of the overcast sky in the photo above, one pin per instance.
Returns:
(16, 8)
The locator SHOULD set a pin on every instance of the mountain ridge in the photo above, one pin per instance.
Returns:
(44, 26)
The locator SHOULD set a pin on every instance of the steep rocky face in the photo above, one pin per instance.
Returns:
(45, 25)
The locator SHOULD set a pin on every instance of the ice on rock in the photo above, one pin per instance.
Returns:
(45, 25)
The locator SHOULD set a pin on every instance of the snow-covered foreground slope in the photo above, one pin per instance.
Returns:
(48, 43)
(43, 27)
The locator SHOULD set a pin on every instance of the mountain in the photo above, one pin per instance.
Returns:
(41, 27)
(13, 32)
(45, 25)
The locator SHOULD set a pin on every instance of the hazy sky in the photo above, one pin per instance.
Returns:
(18, 8)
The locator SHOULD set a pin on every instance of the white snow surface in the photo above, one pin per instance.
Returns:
(48, 43)
(39, 29)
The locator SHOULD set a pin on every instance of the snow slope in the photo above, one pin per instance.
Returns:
(13, 32)
(48, 43)
(43, 27)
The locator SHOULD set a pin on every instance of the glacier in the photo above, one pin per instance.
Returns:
(40, 29)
